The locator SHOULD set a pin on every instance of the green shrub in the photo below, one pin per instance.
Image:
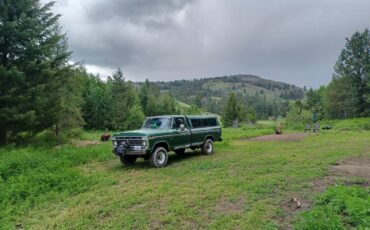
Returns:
(338, 208)
(321, 218)
(30, 176)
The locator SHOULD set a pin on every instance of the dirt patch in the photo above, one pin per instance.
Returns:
(350, 171)
(281, 137)
(352, 167)
(226, 206)
(80, 143)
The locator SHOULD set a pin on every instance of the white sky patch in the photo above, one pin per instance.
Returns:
(98, 70)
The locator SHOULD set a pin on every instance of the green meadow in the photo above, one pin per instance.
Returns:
(244, 185)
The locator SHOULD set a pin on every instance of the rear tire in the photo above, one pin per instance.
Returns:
(128, 160)
(180, 152)
(207, 147)
(159, 157)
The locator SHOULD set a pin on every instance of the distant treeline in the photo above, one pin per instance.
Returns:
(120, 105)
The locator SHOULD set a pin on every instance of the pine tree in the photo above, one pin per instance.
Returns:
(167, 104)
(354, 64)
(341, 101)
(231, 111)
(33, 67)
(149, 95)
(120, 105)
(135, 116)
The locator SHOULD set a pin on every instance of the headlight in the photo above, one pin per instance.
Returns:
(115, 143)
(145, 143)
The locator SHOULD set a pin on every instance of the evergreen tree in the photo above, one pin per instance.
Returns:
(167, 104)
(125, 99)
(34, 75)
(354, 64)
(341, 101)
(97, 103)
(144, 96)
(135, 116)
(232, 110)
(69, 98)
(149, 95)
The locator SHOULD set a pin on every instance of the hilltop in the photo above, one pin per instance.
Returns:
(267, 97)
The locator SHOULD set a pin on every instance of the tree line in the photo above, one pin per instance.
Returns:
(117, 104)
(348, 93)
(41, 90)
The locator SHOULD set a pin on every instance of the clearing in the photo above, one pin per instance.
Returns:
(245, 184)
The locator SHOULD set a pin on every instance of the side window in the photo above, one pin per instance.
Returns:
(196, 123)
(177, 121)
(205, 122)
(212, 122)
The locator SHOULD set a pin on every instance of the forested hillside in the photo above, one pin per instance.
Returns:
(265, 97)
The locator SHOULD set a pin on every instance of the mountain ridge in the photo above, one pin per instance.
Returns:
(267, 97)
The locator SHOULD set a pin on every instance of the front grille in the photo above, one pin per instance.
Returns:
(135, 142)
(138, 141)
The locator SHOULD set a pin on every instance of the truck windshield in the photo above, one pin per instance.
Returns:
(157, 123)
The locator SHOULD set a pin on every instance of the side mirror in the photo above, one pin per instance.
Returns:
(182, 126)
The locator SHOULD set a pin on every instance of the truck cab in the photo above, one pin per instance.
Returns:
(161, 134)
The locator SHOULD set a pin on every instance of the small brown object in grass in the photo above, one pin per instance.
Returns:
(295, 200)
(105, 137)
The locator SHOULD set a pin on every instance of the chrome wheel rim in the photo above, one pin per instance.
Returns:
(161, 157)
(209, 147)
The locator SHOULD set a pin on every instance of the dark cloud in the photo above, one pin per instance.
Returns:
(144, 12)
(286, 40)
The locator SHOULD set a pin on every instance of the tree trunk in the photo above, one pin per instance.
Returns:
(57, 129)
(2, 137)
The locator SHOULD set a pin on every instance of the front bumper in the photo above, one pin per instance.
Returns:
(130, 150)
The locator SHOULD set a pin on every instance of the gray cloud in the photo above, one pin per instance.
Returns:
(285, 40)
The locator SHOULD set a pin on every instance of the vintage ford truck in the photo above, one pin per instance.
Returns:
(162, 134)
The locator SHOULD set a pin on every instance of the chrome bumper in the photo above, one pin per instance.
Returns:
(131, 150)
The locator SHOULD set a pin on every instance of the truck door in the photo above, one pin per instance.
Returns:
(182, 137)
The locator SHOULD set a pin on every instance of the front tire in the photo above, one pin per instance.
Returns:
(159, 157)
(207, 147)
(128, 160)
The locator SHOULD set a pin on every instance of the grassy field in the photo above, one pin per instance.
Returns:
(243, 185)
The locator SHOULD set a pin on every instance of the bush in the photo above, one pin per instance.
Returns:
(320, 218)
(338, 208)
(297, 116)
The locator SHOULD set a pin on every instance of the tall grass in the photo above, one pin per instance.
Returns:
(31, 176)
(339, 207)
(349, 124)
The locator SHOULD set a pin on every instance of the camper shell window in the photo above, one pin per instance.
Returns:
(203, 122)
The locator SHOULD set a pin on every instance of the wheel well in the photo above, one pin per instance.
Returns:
(161, 144)
(209, 137)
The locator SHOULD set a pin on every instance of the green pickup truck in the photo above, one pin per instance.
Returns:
(162, 134)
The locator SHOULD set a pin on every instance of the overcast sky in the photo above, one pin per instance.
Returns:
(294, 41)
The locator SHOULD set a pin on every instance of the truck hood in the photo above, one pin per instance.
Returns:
(143, 133)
